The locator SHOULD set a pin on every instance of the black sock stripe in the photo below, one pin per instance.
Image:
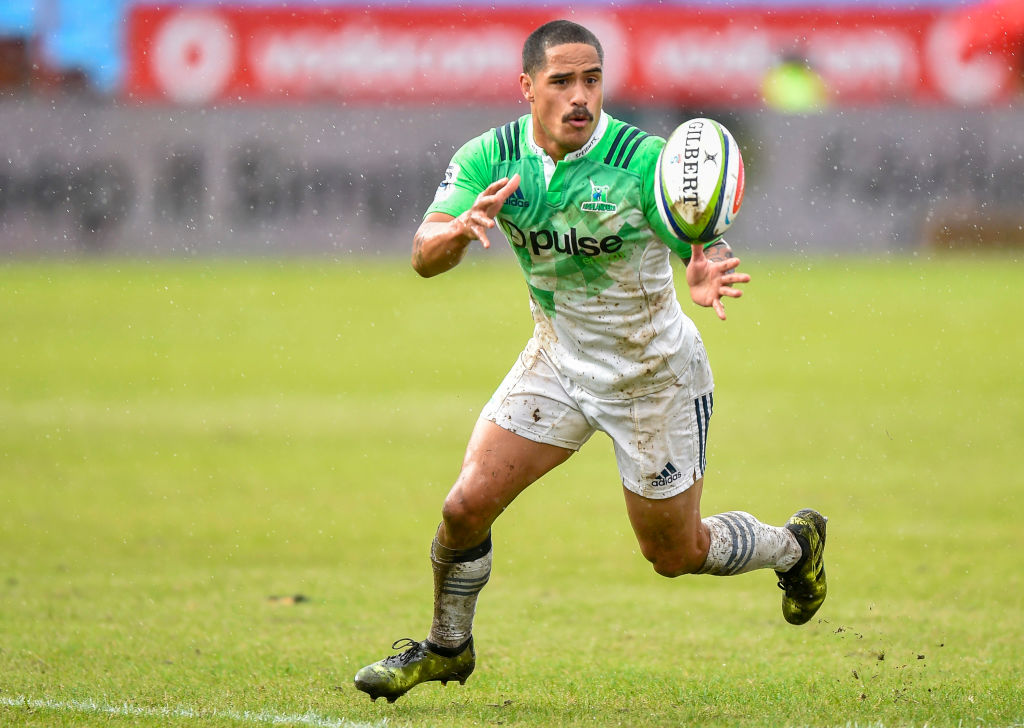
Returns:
(462, 592)
(727, 566)
(459, 581)
(753, 540)
(472, 554)
(739, 543)
(746, 533)
(465, 586)
(749, 524)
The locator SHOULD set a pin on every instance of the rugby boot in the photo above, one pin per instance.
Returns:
(804, 584)
(394, 676)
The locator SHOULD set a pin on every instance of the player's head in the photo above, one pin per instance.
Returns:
(557, 32)
(562, 79)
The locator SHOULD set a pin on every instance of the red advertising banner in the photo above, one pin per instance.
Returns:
(653, 55)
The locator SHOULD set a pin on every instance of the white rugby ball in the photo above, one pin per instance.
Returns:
(698, 183)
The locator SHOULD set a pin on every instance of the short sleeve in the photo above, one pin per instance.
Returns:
(467, 175)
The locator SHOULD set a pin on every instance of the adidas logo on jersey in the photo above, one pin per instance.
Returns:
(669, 474)
(517, 199)
(570, 243)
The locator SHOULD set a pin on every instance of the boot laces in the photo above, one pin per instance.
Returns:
(412, 650)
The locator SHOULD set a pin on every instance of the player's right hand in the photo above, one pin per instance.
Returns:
(713, 277)
(478, 219)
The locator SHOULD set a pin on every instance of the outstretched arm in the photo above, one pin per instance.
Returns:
(711, 275)
(441, 240)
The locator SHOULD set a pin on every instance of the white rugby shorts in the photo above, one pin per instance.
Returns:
(659, 438)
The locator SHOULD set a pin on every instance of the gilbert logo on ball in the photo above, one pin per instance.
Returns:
(698, 183)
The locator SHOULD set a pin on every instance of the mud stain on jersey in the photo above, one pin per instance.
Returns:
(635, 346)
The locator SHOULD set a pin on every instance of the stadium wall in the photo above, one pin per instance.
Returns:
(159, 181)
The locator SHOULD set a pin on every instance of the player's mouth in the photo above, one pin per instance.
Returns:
(578, 118)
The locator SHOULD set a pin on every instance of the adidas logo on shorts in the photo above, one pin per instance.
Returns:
(669, 474)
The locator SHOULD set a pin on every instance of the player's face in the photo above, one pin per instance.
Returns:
(565, 98)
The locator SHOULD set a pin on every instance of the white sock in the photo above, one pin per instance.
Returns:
(458, 578)
(741, 543)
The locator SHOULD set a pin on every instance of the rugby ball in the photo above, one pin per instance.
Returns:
(698, 182)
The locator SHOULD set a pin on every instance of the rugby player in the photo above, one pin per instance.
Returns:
(571, 188)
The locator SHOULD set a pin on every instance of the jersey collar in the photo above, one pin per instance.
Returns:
(549, 163)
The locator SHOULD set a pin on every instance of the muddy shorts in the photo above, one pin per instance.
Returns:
(659, 438)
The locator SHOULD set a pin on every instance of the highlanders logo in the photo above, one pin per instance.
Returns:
(598, 199)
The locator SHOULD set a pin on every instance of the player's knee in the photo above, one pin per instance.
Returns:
(461, 519)
(677, 562)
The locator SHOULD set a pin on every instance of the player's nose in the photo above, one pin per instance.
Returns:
(579, 94)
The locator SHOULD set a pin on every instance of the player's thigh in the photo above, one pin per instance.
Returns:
(530, 425)
(498, 466)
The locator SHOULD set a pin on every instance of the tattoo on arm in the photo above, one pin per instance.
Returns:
(417, 249)
(719, 251)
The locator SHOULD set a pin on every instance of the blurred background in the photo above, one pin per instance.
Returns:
(258, 128)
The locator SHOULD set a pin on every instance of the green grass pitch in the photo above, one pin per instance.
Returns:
(181, 441)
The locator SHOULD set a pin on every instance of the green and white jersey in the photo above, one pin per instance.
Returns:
(595, 253)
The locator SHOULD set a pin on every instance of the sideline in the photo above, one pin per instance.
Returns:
(257, 717)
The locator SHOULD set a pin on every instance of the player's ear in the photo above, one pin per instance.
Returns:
(526, 86)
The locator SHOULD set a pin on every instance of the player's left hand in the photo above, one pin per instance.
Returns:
(710, 277)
